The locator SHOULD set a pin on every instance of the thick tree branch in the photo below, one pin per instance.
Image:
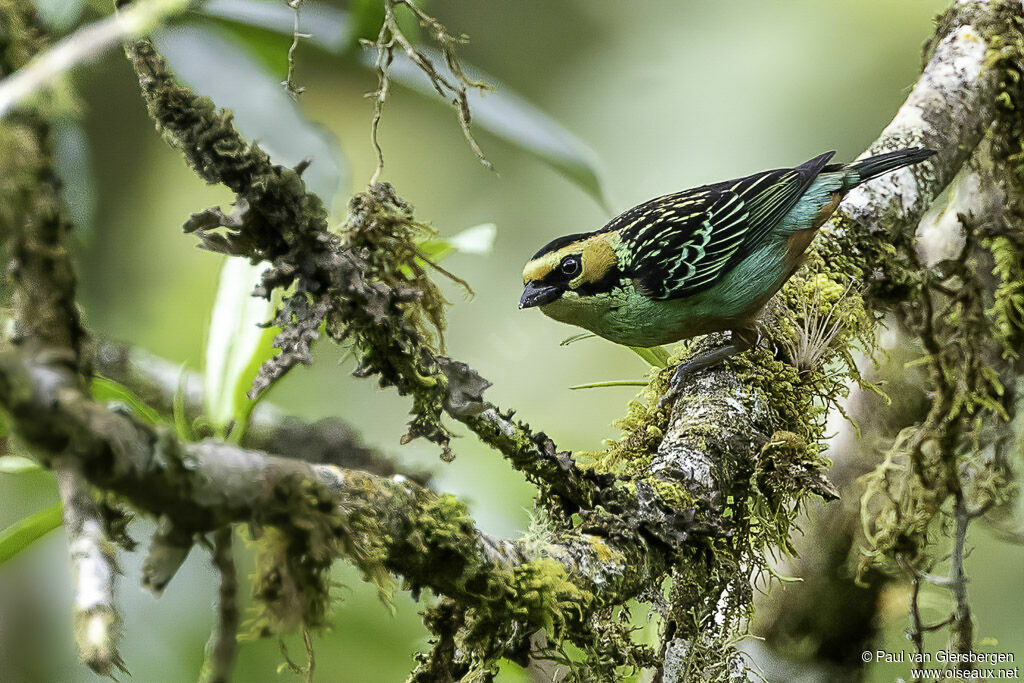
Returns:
(331, 440)
(392, 525)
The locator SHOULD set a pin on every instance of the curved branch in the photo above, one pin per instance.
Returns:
(158, 382)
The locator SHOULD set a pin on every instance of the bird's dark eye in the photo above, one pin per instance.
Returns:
(570, 266)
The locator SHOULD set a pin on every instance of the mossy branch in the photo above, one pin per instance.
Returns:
(869, 241)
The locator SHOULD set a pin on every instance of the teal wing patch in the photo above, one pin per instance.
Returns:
(682, 244)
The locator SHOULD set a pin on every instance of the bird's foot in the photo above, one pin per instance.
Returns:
(741, 341)
(679, 377)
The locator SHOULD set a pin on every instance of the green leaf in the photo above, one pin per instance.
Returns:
(16, 464)
(612, 383)
(236, 345)
(655, 356)
(263, 111)
(24, 532)
(510, 117)
(106, 389)
(476, 240)
(577, 337)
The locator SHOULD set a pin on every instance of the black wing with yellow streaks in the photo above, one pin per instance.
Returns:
(682, 244)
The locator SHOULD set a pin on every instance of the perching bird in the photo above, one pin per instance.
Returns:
(697, 261)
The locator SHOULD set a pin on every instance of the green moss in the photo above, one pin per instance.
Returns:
(295, 549)
(1006, 57)
(601, 550)
(1007, 310)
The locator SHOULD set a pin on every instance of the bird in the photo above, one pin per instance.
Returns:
(698, 261)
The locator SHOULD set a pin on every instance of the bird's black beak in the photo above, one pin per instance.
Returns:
(536, 294)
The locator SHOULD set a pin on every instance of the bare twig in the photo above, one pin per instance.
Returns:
(961, 631)
(306, 670)
(159, 383)
(289, 81)
(454, 88)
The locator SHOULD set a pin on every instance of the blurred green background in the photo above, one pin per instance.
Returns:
(667, 94)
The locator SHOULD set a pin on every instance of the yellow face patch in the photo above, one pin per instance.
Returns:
(540, 267)
(596, 257)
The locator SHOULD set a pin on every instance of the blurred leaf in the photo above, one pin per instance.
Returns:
(476, 240)
(16, 464)
(655, 356)
(327, 28)
(74, 168)
(501, 112)
(236, 345)
(612, 383)
(59, 15)
(106, 389)
(263, 111)
(23, 533)
(508, 116)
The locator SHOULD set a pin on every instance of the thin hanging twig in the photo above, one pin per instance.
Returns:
(453, 88)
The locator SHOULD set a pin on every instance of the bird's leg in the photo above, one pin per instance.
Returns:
(743, 338)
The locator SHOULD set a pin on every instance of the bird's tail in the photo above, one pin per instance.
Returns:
(872, 167)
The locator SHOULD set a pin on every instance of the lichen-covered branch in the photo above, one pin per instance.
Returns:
(322, 513)
(97, 623)
(868, 242)
(964, 311)
(819, 626)
(222, 648)
(32, 221)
